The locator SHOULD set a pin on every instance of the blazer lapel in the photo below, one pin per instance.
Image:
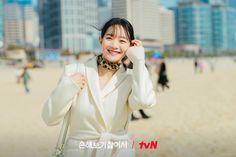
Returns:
(93, 84)
(115, 81)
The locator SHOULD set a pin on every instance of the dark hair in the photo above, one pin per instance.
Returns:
(119, 21)
(128, 28)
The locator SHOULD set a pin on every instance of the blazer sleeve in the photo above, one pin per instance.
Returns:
(142, 94)
(60, 100)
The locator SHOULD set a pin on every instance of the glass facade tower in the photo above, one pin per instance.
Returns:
(212, 26)
(194, 25)
(23, 2)
(224, 28)
(230, 3)
(68, 24)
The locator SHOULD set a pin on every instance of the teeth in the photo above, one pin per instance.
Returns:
(113, 51)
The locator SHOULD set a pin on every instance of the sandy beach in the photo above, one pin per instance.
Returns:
(195, 118)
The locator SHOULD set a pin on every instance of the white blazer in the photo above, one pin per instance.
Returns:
(99, 114)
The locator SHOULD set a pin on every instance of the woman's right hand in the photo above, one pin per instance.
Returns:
(79, 80)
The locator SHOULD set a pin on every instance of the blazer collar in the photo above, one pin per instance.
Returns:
(94, 85)
(114, 82)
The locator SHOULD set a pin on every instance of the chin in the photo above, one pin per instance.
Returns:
(113, 59)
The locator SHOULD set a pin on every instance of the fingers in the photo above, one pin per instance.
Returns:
(82, 81)
(79, 80)
(136, 42)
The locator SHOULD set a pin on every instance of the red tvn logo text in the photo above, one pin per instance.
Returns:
(148, 145)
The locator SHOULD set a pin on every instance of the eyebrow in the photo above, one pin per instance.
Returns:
(110, 34)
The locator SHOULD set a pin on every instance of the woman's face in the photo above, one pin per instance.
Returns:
(114, 44)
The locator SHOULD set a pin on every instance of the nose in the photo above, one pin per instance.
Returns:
(114, 44)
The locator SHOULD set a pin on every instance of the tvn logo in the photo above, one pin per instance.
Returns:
(148, 145)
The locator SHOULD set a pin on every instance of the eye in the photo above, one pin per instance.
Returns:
(123, 41)
(109, 38)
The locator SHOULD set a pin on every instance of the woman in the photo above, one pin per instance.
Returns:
(107, 92)
(26, 77)
(163, 79)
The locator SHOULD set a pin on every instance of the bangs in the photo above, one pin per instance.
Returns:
(117, 30)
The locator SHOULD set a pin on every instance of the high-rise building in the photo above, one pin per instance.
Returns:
(31, 22)
(202, 1)
(104, 12)
(68, 24)
(205, 1)
(103, 3)
(224, 22)
(230, 3)
(194, 24)
(216, 2)
(143, 14)
(21, 24)
(209, 24)
(121, 8)
(167, 26)
(145, 17)
(22, 2)
(1, 24)
(13, 24)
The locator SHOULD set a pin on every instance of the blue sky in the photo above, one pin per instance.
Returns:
(169, 3)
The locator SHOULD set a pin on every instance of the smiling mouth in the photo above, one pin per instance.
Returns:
(113, 52)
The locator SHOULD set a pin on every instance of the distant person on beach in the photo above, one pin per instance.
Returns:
(200, 66)
(26, 77)
(195, 65)
(162, 75)
(106, 93)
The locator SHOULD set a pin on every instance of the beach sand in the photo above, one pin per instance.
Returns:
(195, 118)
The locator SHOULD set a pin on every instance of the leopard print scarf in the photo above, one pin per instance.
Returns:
(106, 64)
